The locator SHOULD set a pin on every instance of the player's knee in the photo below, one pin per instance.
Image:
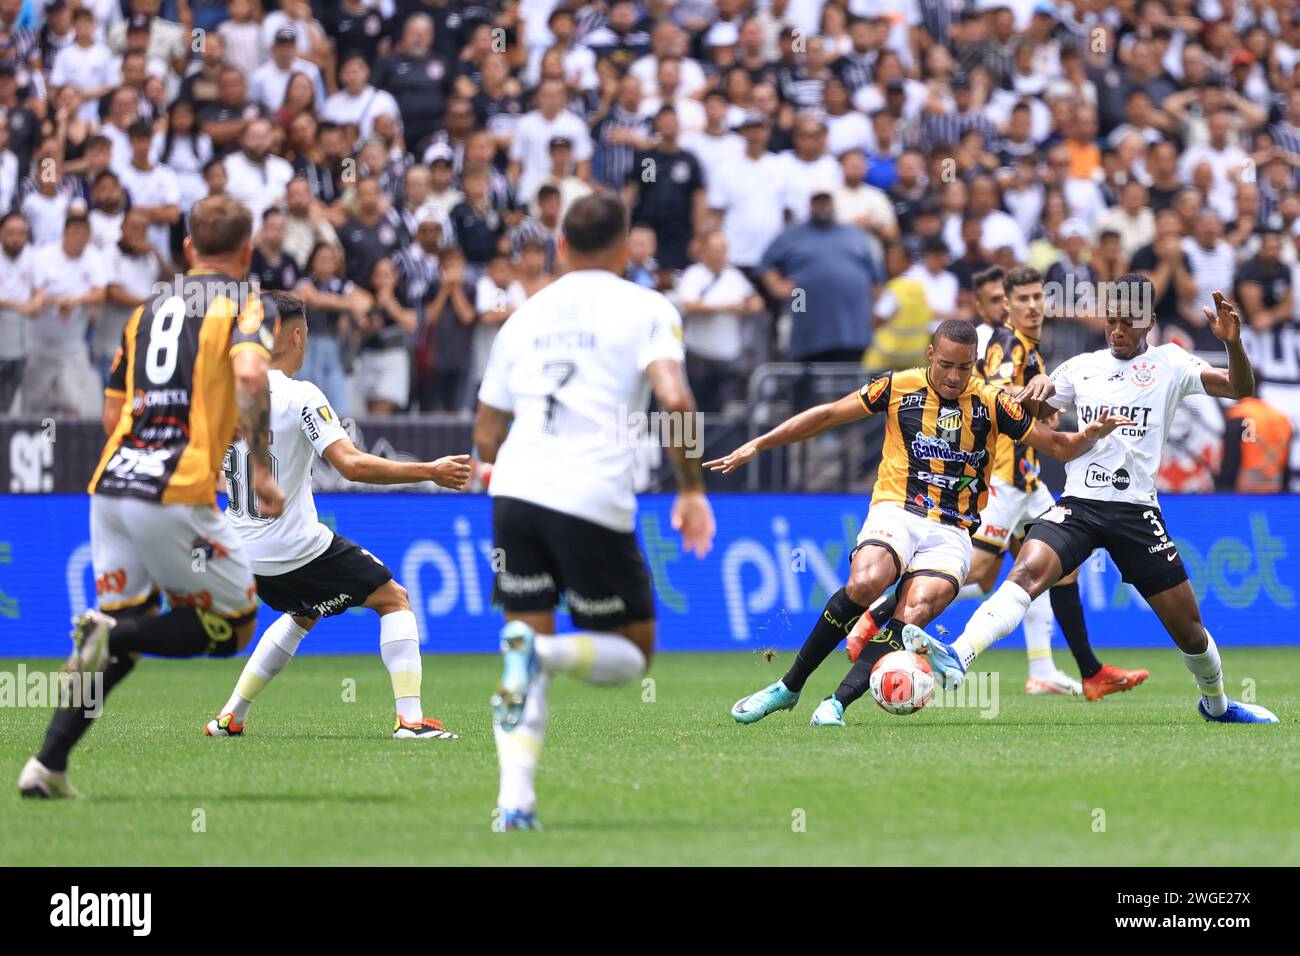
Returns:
(919, 610)
(390, 598)
(866, 584)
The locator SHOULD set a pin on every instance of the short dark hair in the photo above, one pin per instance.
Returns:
(955, 330)
(1134, 291)
(1020, 275)
(982, 278)
(219, 225)
(595, 223)
(289, 306)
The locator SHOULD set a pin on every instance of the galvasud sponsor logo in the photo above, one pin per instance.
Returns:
(133, 911)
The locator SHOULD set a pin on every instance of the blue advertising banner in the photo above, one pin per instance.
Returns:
(775, 561)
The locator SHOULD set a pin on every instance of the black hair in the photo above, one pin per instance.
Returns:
(955, 330)
(594, 223)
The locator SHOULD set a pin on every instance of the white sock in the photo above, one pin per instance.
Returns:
(996, 618)
(1207, 668)
(276, 648)
(604, 659)
(518, 749)
(1039, 625)
(399, 646)
(971, 589)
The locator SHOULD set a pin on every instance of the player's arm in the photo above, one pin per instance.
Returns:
(356, 465)
(1239, 379)
(491, 425)
(801, 427)
(692, 515)
(1067, 446)
(1035, 396)
(253, 401)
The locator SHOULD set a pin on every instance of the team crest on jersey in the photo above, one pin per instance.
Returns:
(250, 320)
(1144, 374)
(1012, 407)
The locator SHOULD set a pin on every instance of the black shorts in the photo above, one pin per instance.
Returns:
(601, 573)
(342, 577)
(1133, 535)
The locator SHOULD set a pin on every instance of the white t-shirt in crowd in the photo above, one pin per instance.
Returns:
(360, 110)
(715, 336)
(303, 425)
(53, 334)
(86, 68)
(257, 186)
(153, 187)
(531, 147)
(750, 199)
(570, 366)
(17, 284)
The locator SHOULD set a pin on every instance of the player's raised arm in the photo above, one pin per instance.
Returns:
(1066, 446)
(692, 515)
(807, 424)
(352, 463)
(1036, 394)
(1239, 380)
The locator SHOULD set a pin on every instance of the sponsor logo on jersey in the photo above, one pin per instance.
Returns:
(250, 320)
(1120, 479)
(872, 391)
(1162, 546)
(915, 400)
(1117, 377)
(929, 504)
(1138, 413)
(158, 398)
(332, 604)
(1012, 407)
(1098, 477)
(1144, 374)
(956, 482)
(994, 531)
(111, 582)
(937, 449)
(309, 424)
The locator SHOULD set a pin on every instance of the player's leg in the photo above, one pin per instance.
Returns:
(989, 543)
(923, 597)
(884, 544)
(1056, 544)
(1147, 558)
(399, 646)
(269, 657)
(1044, 676)
(1099, 679)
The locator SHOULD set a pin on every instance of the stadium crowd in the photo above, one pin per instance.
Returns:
(810, 180)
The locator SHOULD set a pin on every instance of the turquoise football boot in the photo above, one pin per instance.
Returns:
(774, 697)
(519, 665)
(829, 713)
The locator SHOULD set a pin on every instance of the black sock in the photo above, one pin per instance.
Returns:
(178, 633)
(858, 680)
(834, 624)
(68, 725)
(1069, 614)
(882, 613)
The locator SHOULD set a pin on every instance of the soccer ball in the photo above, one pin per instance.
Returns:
(902, 682)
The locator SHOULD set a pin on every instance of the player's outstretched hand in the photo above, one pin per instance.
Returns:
(1037, 390)
(1224, 320)
(693, 517)
(270, 499)
(1103, 425)
(451, 472)
(730, 463)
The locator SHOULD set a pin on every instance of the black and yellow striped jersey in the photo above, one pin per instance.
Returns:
(937, 453)
(174, 374)
(1010, 361)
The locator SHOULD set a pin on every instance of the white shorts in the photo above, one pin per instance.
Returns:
(919, 545)
(189, 552)
(1007, 511)
(384, 375)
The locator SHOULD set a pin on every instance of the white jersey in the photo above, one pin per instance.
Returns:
(303, 425)
(569, 364)
(1147, 389)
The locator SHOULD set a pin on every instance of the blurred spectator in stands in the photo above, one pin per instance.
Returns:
(152, 187)
(1257, 441)
(665, 191)
(46, 205)
(59, 378)
(748, 197)
(1109, 261)
(1071, 306)
(972, 261)
(20, 301)
(225, 118)
(530, 158)
(561, 177)
(445, 337)
(374, 232)
(1166, 264)
(642, 267)
(940, 285)
(825, 275)
(716, 299)
(479, 226)
(107, 210)
(358, 103)
(133, 268)
(384, 363)
(335, 306)
(858, 204)
(1213, 265)
(496, 296)
(254, 176)
(273, 268)
(1132, 219)
(901, 316)
(305, 222)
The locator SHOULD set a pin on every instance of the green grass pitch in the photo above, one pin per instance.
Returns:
(1136, 779)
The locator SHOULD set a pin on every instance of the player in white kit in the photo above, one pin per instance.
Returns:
(1110, 494)
(304, 569)
(568, 380)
